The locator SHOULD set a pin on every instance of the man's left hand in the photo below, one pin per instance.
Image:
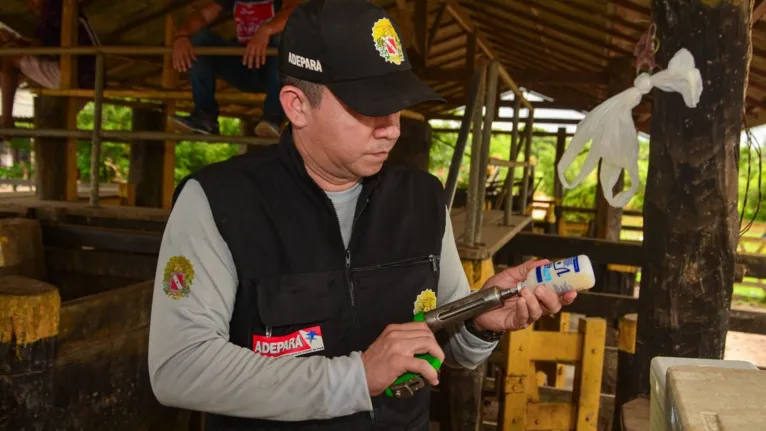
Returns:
(523, 310)
(255, 52)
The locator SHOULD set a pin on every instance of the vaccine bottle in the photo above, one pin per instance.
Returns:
(562, 276)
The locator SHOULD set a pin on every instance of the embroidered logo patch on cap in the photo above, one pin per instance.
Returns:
(387, 41)
(178, 277)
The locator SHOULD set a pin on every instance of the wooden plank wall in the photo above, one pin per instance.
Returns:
(101, 372)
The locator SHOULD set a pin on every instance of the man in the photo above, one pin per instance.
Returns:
(288, 278)
(44, 70)
(258, 25)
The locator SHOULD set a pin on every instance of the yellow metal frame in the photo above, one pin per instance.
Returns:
(522, 408)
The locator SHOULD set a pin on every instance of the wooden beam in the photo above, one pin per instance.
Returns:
(755, 265)
(542, 76)
(465, 21)
(585, 53)
(107, 313)
(115, 240)
(508, 119)
(601, 251)
(120, 31)
(747, 320)
(537, 105)
(758, 11)
(434, 29)
(420, 19)
(573, 77)
(405, 24)
(169, 94)
(614, 307)
(501, 132)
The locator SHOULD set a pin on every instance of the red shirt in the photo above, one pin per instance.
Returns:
(250, 15)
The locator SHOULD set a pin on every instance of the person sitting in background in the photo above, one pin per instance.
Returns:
(258, 26)
(43, 70)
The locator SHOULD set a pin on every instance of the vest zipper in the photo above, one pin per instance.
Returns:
(351, 289)
(349, 280)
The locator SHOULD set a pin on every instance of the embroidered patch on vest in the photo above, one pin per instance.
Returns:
(425, 302)
(178, 277)
(298, 343)
(387, 41)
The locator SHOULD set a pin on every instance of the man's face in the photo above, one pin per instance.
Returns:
(352, 142)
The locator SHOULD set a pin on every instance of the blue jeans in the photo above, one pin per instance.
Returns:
(206, 68)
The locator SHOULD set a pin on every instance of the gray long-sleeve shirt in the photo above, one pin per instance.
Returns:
(193, 365)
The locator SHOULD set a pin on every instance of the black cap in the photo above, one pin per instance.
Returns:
(353, 48)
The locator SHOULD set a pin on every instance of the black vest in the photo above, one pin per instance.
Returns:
(295, 273)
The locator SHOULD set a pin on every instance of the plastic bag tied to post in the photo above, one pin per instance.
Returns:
(613, 135)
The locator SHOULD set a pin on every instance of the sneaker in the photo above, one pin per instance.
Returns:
(266, 129)
(197, 124)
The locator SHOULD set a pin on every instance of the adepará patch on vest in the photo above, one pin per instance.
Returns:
(298, 343)
(426, 301)
(178, 277)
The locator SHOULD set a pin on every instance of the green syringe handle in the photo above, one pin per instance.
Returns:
(434, 362)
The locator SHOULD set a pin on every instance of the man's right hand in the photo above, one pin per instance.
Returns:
(183, 54)
(393, 354)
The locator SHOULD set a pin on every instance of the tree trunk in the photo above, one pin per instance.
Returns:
(690, 209)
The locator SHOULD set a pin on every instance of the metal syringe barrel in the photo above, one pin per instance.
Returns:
(463, 309)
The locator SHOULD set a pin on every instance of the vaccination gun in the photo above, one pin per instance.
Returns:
(574, 273)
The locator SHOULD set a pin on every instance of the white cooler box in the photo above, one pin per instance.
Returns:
(659, 368)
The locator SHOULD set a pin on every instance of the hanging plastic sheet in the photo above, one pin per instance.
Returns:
(613, 136)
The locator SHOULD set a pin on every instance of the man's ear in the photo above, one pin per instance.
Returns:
(295, 104)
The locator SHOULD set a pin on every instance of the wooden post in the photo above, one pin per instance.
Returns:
(587, 381)
(95, 148)
(626, 350)
(56, 158)
(690, 208)
(558, 188)
(29, 325)
(490, 96)
(147, 159)
(51, 154)
(526, 182)
(413, 148)
(169, 81)
(247, 127)
(516, 380)
(68, 67)
(465, 386)
(474, 201)
(513, 156)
